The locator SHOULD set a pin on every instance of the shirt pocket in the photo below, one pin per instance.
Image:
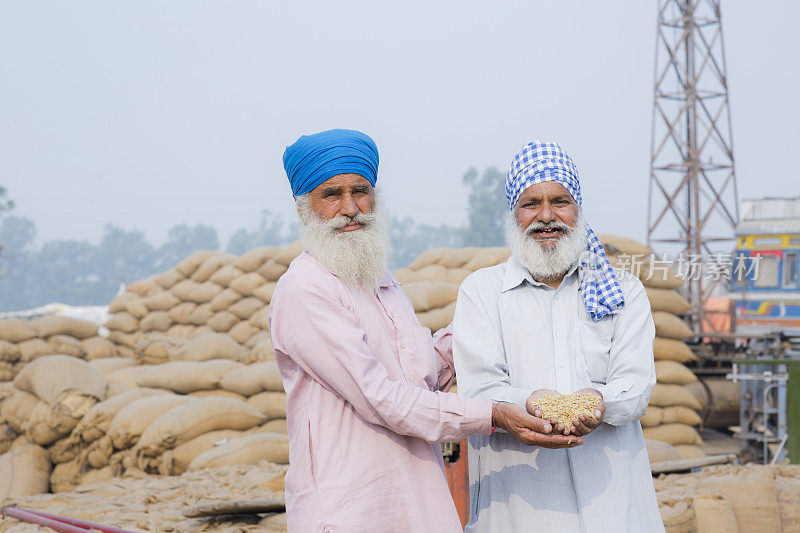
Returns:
(595, 343)
(418, 358)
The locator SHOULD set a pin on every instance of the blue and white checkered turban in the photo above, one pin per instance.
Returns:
(546, 161)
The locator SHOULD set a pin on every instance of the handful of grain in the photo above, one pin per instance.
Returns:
(567, 407)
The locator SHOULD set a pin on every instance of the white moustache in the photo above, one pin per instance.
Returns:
(364, 219)
(534, 226)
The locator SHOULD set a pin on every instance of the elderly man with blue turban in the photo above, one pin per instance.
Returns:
(366, 400)
(556, 318)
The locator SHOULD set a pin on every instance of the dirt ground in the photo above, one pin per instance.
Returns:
(154, 503)
(725, 498)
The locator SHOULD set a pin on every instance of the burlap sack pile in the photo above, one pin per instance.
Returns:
(228, 401)
(673, 412)
(211, 305)
(156, 419)
(43, 405)
(158, 431)
(187, 368)
(22, 341)
(731, 498)
(88, 421)
(431, 281)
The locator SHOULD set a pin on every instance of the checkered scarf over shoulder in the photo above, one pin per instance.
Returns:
(547, 161)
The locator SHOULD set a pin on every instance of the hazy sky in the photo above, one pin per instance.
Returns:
(147, 114)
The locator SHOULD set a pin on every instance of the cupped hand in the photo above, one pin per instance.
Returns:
(533, 408)
(529, 429)
(585, 424)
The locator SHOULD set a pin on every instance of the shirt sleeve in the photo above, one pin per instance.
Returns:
(446, 370)
(631, 371)
(310, 324)
(478, 352)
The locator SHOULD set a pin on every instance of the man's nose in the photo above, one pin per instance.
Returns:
(348, 206)
(546, 214)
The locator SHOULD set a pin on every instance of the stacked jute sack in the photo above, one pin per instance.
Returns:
(22, 341)
(67, 422)
(186, 380)
(673, 412)
(210, 297)
(730, 499)
(431, 281)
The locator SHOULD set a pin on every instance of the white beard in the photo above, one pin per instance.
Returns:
(547, 264)
(359, 258)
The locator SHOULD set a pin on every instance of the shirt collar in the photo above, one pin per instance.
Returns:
(389, 280)
(516, 274)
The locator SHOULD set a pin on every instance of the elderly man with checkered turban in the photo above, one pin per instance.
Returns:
(557, 318)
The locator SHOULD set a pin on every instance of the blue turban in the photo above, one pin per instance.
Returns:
(546, 161)
(314, 159)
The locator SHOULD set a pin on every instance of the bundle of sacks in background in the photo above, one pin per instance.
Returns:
(673, 412)
(45, 402)
(66, 422)
(185, 379)
(731, 498)
(431, 281)
(211, 305)
(22, 341)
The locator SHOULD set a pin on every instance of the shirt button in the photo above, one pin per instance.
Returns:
(403, 346)
(559, 334)
(560, 365)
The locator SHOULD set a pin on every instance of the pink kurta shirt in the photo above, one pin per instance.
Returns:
(363, 406)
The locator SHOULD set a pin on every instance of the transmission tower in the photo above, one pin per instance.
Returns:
(693, 202)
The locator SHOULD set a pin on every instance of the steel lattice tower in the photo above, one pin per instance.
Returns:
(693, 202)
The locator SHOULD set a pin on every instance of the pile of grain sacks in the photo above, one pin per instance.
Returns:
(68, 422)
(185, 379)
(673, 412)
(205, 294)
(431, 281)
(730, 498)
(22, 341)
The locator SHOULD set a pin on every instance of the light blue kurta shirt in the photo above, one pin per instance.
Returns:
(512, 336)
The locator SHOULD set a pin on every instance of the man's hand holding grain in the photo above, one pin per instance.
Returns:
(579, 413)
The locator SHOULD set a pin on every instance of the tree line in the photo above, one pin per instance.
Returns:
(78, 272)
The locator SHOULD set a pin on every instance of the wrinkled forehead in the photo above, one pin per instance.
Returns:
(546, 190)
(345, 181)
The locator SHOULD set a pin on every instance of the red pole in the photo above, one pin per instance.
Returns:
(458, 481)
(63, 524)
(80, 523)
(32, 518)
